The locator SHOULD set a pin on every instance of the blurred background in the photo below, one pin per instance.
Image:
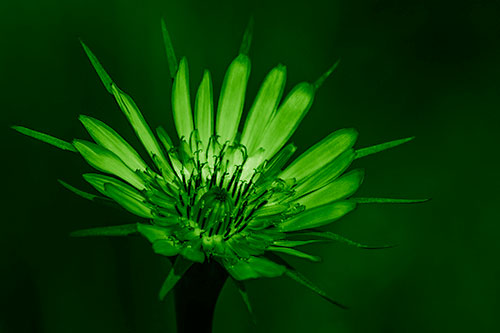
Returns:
(423, 68)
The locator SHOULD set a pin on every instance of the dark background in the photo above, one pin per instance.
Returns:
(424, 68)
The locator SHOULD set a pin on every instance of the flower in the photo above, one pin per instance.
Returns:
(220, 195)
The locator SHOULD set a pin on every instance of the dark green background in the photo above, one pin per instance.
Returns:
(424, 68)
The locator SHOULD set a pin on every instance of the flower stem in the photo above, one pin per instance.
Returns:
(196, 295)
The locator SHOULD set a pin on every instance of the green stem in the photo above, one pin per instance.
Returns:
(196, 295)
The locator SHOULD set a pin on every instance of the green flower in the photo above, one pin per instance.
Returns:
(220, 195)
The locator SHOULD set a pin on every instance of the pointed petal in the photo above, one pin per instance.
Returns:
(109, 139)
(152, 232)
(45, 138)
(339, 189)
(317, 217)
(181, 101)
(169, 48)
(319, 82)
(287, 118)
(319, 155)
(119, 230)
(130, 202)
(105, 161)
(388, 200)
(165, 248)
(247, 37)
(254, 267)
(295, 253)
(264, 106)
(381, 147)
(106, 80)
(98, 181)
(181, 265)
(294, 243)
(232, 98)
(338, 238)
(204, 110)
(81, 193)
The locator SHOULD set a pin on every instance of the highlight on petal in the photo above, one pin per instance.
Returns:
(45, 138)
(381, 147)
(319, 155)
(181, 101)
(232, 98)
(132, 203)
(339, 189)
(109, 139)
(180, 267)
(106, 161)
(317, 217)
(204, 110)
(263, 108)
(287, 118)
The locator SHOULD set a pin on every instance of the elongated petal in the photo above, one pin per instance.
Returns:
(247, 37)
(339, 189)
(287, 118)
(232, 98)
(319, 82)
(263, 108)
(381, 147)
(109, 139)
(45, 138)
(127, 201)
(106, 80)
(321, 154)
(169, 48)
(317, 217)
(105, 161)
(204, 109)
(81, 193)
(295, 253)
(119, 230)
(255, 267)
(180, 267)
(98, 181)
(338, 238)
(294, 243)
(388, 200)
(165, 248)
(181, 101)
(153, 233)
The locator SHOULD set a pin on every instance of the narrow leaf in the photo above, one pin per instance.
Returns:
(45, 138)
(319, 82)
(119, 230)
(81, 193)
(295, 253)
(381, 147)
(169, 48)
(338, 238)
(388, 200)
(106, 80)
(181, 265)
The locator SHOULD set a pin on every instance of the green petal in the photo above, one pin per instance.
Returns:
(287, 118)
(264, 106)
(381, 147)
(109, 139)
(181, 101)
(81, 193)
(317, 217)
(338, 238)
(45, 138)
(321, 154)
(294, 243)
(169, 48)
(388, 200)
(247, 38)
(295, 253)
(153, 233)
(165, 248)
(141, 128)
(204, 110)
(232, 98)
(119, 230)
(339, 189)
(255, 267)
(327, 174)
(105, 161)
(319, 82)
(98, 181)
(180, 267)
(130, 202)
(298, 277)
(106, 80)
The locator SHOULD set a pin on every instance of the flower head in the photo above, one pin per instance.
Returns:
(218, 194)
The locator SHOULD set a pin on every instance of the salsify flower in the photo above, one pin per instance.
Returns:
(220, 195)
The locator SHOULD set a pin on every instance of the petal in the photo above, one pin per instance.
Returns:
(339, 189)
(255, 267)
(180, 267)
(264, 106)
(169, 48)
(130, 202)
(295, 253)
(388, 200)
(45, 138)
(105, 161)
(153, 233)
(83, 194)
(232, 98)
(204, 110)
(287, 119)
(317, 217)
(109, 139)
(381, 147)
(181, 102)
(319, 155)
(98, 181)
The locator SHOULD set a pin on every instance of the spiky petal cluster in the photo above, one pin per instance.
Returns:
(218, 194)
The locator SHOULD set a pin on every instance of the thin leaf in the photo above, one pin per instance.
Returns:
(388, 200)
(381, 147)
(81, 193)
(169, 48)
(119, 230)
(295, 253)
(338, 238)
(105, 78)
(319, 82)
(181, 265)
(45, 138)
